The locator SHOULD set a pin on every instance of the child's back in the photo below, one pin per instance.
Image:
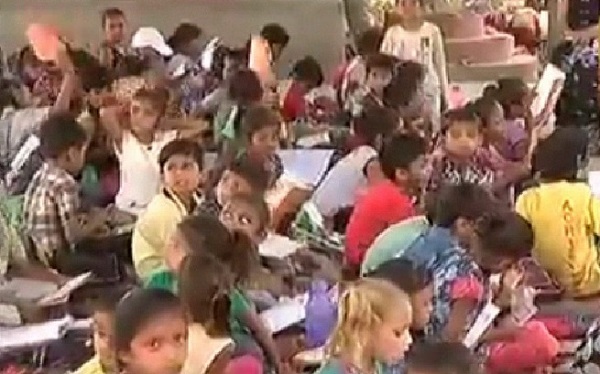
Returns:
(565, 217)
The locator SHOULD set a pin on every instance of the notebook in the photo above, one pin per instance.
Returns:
(284, 315)
(62, 295)
(12, 338)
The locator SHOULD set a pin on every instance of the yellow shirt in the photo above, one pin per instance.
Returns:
(565, 217)
(152, 231)
(93, 366)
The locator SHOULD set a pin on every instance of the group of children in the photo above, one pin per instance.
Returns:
(434, 206)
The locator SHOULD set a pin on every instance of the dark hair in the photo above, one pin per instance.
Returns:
(374, 121)
(181, 147)
(467, 113)
(257, 202)
(465, 200)
(139, 308)
(510, 92)
(110, 13)
(157, 97)
(131, 65)
(252, 172)
(549, 164)
(258, 117)
(245, 87)
(399, 152)
(92, 74)
(380, 61)
(484, 107)
(491, 91)
(369, 41)
(404, 274)
(184, 33)
(406, 79)
(204, 287)
(60, 132)
(442, 358)
(204, 233)
(505, 233)
(274, 33)
(308, 70)
(107, 300)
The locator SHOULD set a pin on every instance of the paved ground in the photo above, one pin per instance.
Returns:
(315, 26)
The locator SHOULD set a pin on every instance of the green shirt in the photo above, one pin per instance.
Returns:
(393, 242)
(240, 305)
(164, 280)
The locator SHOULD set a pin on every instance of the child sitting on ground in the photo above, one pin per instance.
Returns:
(459, 157)
(181, 162)
(241, 177)
(359, 168)
(204, 290)
(565, 216)
(498, 242)
(150, 333)
(379, 69)
(104, 361)
(52, 210)
(372, 329)
(402, 161)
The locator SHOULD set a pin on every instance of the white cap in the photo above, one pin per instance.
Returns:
(149, 37)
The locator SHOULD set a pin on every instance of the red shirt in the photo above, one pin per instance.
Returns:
(381, 206)
(294, 104)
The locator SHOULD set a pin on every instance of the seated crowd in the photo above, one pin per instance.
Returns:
(435, 226)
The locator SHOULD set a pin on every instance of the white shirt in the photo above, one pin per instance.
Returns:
(139, 171)
(340, 186)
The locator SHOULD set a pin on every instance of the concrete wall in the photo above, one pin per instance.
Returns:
(315, 26)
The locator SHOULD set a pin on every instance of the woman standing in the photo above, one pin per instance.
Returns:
(414, 39)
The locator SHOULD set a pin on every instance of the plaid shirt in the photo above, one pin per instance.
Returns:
(51, 201)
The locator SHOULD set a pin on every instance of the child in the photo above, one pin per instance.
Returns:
(260, 128)
(455, 211)
(242, 176)
(564, 214)
(248, 214)
(51, 208)
(372, 329)
(205, 285)
(114, 25)
(181, 162)
(378, 75)
(498, 242)
(137, 147)
(459, 159)
(442, 358)
(360, 167)
(306, 75)
(103, 317)
(202, 234)
(354, 74)
(389, 201)
(150, 333)
(416, 282)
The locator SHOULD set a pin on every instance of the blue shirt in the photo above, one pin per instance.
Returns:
(433, 242)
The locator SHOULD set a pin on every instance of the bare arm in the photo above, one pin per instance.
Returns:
(68, 85)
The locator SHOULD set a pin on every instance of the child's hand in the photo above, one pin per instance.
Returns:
(511, 278)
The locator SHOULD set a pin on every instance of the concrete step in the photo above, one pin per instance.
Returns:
(523, 66)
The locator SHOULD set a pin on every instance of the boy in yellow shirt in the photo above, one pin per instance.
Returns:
(565, 216)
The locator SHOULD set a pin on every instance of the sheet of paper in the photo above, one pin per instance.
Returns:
(482, 322)
(308, 165)
(32, 335)
(28, 289)
(207, 56)
(278, 246)
(594, 182)
(545, 97)
(283, 315)
(63, 293)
